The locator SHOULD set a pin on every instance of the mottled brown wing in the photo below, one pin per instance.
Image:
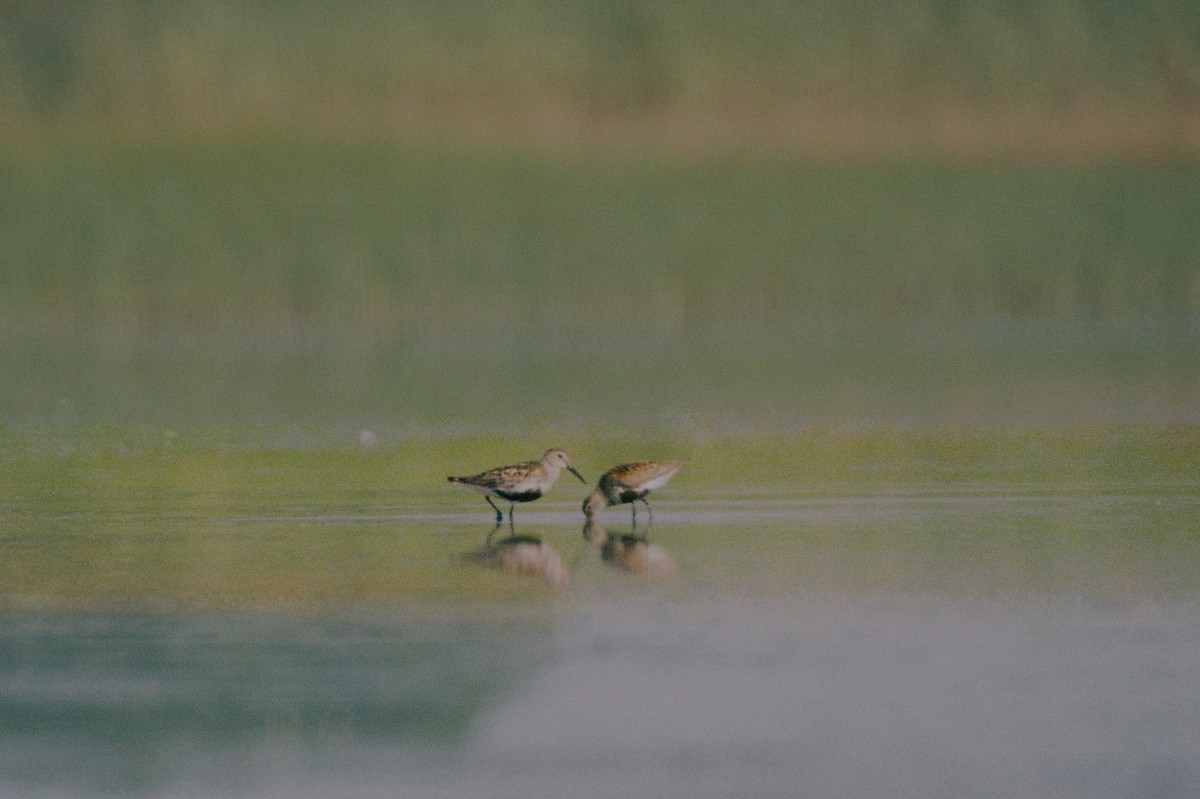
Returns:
(639, 473)
(499, 477)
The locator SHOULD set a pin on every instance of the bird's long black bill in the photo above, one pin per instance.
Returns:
(571, 469)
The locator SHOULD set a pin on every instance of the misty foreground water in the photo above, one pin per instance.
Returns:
(915, 698)
(995, 639)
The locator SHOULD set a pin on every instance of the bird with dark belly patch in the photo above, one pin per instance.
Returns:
(520, 482)
(628, 483)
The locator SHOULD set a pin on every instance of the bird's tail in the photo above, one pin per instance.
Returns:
(455, 479)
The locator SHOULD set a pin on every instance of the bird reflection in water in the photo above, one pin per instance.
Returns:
(631, 553)
(524, 555)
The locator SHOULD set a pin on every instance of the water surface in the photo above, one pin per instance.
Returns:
(982, 637)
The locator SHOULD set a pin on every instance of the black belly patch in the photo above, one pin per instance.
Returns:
(630, 496)
(519, 496)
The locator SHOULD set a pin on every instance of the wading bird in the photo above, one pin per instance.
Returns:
(520, 482)
(628, 483)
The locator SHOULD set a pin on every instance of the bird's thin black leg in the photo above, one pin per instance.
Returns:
(633, 507)
(499, 515)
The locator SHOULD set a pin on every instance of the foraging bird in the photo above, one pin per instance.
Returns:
(628, 483)
(521, 482)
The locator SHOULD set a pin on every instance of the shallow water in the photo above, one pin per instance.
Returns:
(981, 638)
(904, 698)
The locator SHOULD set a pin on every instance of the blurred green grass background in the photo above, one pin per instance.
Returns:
(479, 214)
(681, 74)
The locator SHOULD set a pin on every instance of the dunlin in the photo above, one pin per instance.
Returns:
(521, 482)
(628, 483)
